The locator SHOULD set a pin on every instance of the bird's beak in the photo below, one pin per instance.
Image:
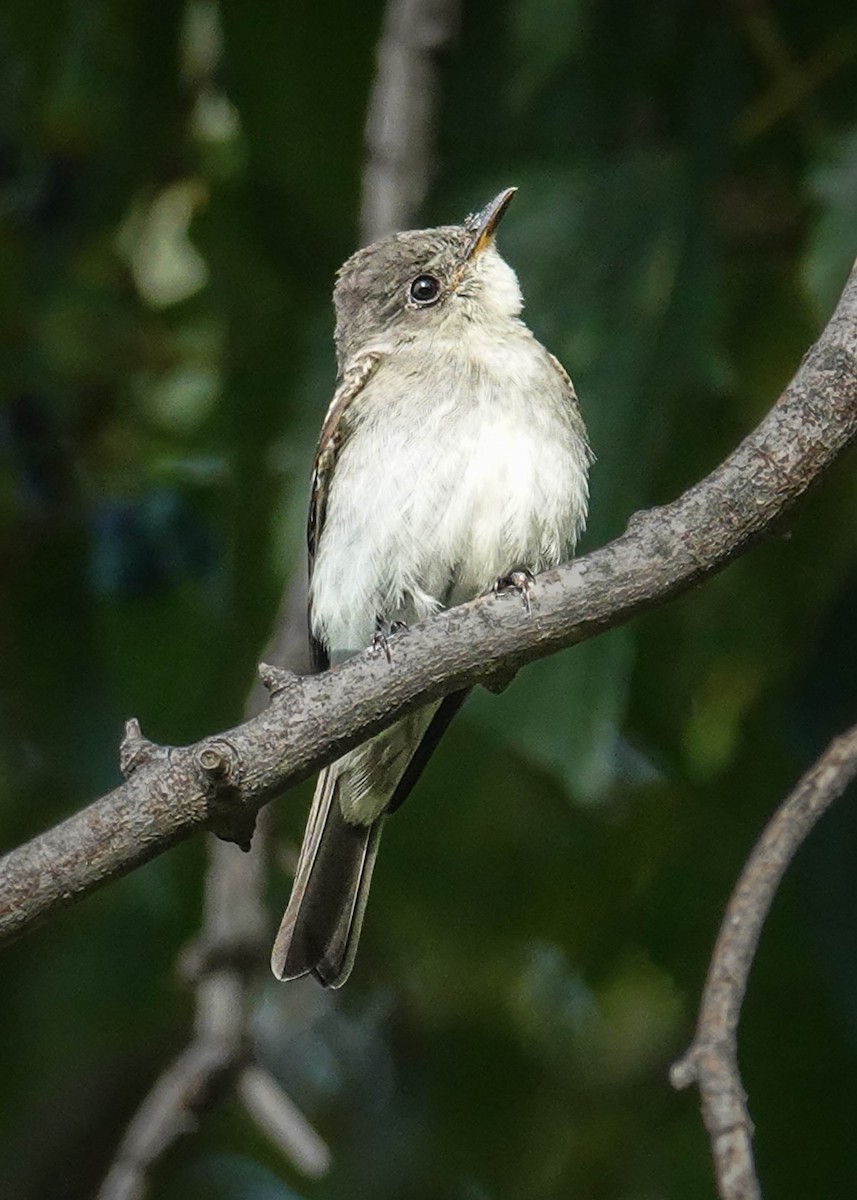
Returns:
(483, 225)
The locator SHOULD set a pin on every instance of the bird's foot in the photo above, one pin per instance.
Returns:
(384, 633)
(520, 580)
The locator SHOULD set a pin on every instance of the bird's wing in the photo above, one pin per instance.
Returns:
(333, 435)
(574, 405)
(318, 933)
(321, 926)
(438, 726)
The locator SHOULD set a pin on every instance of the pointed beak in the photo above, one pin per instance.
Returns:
(483, 225)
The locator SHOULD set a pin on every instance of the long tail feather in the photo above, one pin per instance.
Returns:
(321, 927)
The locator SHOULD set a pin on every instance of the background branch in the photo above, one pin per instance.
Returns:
(712, 1060)
(219, 1057)
(225, 964)
(220, 783)
(400, 126)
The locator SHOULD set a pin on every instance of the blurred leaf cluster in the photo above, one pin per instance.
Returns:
(178, 183)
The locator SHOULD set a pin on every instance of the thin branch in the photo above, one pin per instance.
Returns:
(712, 1060)
(229, 952)
(398, 165)
(794, 84)
(220, 783)
(219, 1058)
(224, 966)
(284, 1123)
(172, 1108)
(401, 119)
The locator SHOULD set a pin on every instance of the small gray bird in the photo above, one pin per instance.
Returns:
(452, 456)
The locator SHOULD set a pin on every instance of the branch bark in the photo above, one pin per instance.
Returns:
(221, 782)
(712, 1060)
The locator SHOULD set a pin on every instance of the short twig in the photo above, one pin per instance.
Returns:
(279, 1117)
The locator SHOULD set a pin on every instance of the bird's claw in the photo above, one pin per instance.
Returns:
(521, 580)
(382, 638)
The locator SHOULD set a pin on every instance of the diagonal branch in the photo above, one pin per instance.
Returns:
(220, 783)
(712, 1060)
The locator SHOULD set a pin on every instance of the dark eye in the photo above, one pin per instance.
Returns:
(425, 289)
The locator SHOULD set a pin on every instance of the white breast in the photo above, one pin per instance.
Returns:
(452, 477)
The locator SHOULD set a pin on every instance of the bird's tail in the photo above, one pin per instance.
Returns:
(322, 923)
(321, 927)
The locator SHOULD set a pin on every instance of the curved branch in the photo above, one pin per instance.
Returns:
(712, 1060)
(220, 783)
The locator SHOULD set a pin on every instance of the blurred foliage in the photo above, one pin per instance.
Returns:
(177, 186)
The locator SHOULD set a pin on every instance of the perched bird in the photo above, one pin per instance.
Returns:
(452, 455)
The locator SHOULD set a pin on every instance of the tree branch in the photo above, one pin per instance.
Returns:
(712, 1060)
(401, 121)
(221, 782)
(220, 1058)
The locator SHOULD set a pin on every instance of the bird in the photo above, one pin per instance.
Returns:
(453, 458)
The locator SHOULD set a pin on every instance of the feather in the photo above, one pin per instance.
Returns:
(319, 931)
(331, 440)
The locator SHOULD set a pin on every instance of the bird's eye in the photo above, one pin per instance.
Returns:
(425, 290)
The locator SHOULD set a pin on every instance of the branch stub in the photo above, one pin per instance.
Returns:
(135, 750)
(275, 679)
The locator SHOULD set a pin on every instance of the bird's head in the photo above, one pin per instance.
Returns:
(427, 281)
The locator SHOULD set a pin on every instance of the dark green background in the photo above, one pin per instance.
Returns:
(545, 905)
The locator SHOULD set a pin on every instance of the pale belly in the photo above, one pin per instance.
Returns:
(430, 512)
